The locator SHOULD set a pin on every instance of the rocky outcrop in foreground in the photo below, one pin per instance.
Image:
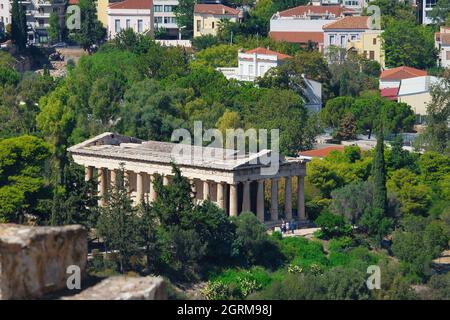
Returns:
(125, 288)
(34, 260)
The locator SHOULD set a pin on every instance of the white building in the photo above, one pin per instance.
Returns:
(164, 13)
(303, 24)
(424, 8)
(37, 13)
(134, 14)
(442, 43)
(255, 63)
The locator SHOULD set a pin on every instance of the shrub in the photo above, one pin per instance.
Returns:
(339, 244)
(333, 226)
(236, 283)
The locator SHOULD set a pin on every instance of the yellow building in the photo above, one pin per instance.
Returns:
(207, 18)
(102, 12)
(369, 45)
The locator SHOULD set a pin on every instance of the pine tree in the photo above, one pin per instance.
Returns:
(18, 26)
(347, 128)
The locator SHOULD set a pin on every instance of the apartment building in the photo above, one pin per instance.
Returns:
(369, 45)
(257, 62)
(37, 13)
(134, 14)
(424, 8)
(442, 44)
(303, 24)
(207, 18)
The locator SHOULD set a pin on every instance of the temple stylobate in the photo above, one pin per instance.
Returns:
(235, 181)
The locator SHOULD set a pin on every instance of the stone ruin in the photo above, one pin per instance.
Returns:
(34, 264)
(34, 260)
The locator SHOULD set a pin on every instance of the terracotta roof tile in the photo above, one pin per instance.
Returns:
(297, 37)
(301, 10)
(402, 73)
(389, 93)
(349, 23)
(260, 50)
(321, 153)
(132, 4)
(215, 9)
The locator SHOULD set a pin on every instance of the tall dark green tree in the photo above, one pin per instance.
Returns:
(185, 16)
(379, 174)
(54, 30)
(18, 26)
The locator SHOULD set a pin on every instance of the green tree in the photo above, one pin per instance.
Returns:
(347, 128)
(408, 44)
(332, 225)
(335, 110)
(440, 13)
(54, 29)
(118, 222)
(92, 31)
(184, 13)
(18, 26)
(23, 188)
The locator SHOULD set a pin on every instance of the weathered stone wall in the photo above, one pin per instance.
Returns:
(34, 260)
(125, 288)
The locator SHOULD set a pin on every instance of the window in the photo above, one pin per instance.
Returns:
(374, 41)
(212, 25)
(1, 5)
(199, 25)
(331, 38)
(372, 55)
(261, 70)
(168, 8)
(158, 8)
(117, 25)
(128, 24)
(353, 37)
(250, 69)
(169, 20)
(342, 40)
(158, 20)
(140, 26)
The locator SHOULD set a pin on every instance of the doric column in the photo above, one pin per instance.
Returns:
(221, 195)
(206, 193)
(274, 200)
(127, 180)
(102, 187)
(288, 198)
(113, 178)
(165, 180)
(152, 196)
(140, 187)
(260, 201)
(88, 173)
(233, 200)
(301, 197)
(246, 197)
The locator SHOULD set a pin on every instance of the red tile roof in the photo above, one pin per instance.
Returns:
(260, 50)
(321, 153)
(132, 4)
(297, 37)
(402, 73)
(215, 9)
(349, 23)
(73, 2)
(390, 93)
(301, 10)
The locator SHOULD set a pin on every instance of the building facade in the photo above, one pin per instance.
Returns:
(369, 45)
(37, 13)
(442, 44)
(256, 62)
(130, 14)
(234, 182)
(303, 24)
(164, 13)
(207, 18)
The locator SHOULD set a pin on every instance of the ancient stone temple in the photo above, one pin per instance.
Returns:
(234, 181)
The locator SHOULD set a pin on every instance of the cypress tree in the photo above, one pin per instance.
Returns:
(18, 26)
(379, 174)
